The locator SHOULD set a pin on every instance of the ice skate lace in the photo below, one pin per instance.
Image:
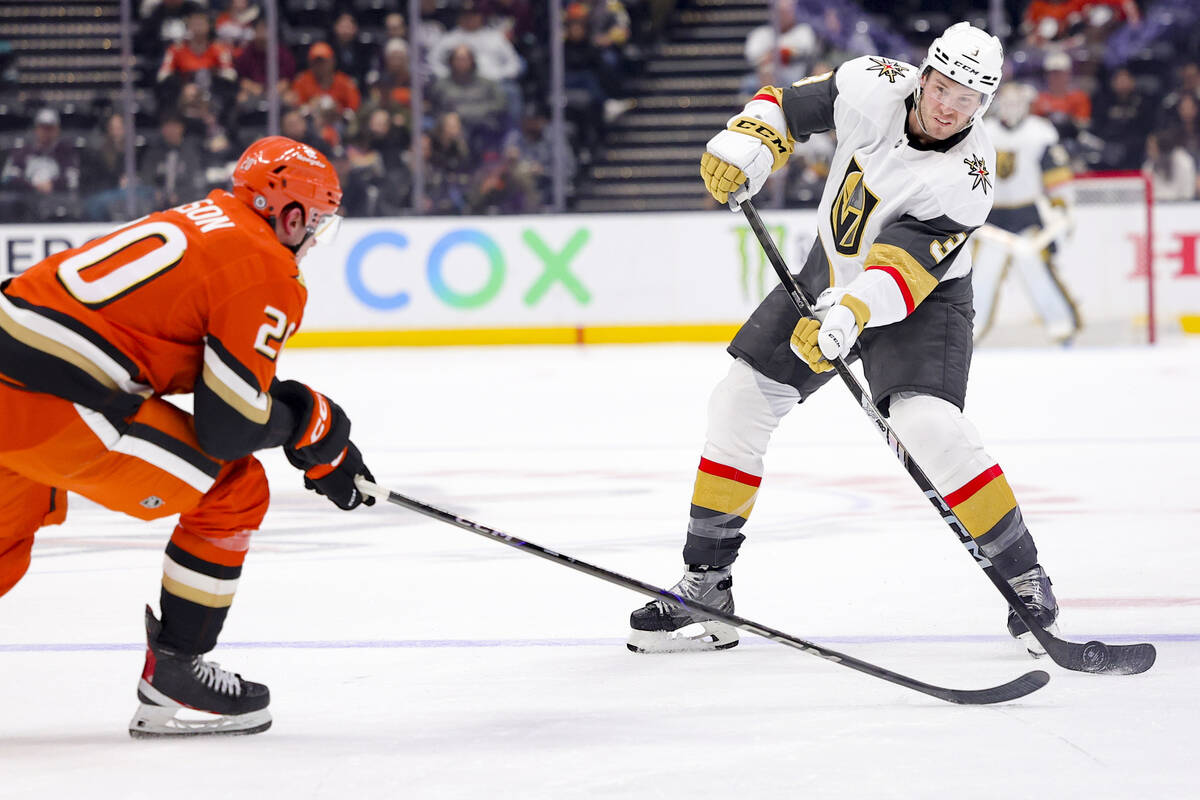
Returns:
(1029, 587)
(217, 679)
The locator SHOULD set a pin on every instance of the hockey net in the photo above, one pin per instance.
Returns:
(1105, 263)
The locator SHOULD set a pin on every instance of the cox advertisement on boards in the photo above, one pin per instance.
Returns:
(637, 269)
(541, 271)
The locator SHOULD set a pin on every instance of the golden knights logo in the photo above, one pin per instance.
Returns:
(851, 209)
(977, 168)
(887, 69)
(1006, 164)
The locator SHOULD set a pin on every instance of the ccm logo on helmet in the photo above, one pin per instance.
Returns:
(967, 67)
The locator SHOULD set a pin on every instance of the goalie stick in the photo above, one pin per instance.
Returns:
(1031, 245)
(1018, 687)
(1094, 657)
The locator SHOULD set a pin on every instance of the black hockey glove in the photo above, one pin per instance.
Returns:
(322, 428)
(321, 446)
(336, 480)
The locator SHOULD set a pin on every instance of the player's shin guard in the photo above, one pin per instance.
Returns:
(743, 412)
(721, 502)
(948, 447)
(181, 694)
(200, 578)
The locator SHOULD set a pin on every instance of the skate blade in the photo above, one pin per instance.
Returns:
(1031, 645)
(694, 638)
(151, 721)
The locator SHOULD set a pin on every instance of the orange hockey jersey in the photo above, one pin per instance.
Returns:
(198, 298)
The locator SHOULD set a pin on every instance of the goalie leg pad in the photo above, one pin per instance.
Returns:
(987, 274)
(1049, 296)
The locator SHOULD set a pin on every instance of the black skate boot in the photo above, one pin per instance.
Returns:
(659, 627)
(1033, 587)
(215, 700)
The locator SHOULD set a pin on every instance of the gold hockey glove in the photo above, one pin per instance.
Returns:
(747, 152)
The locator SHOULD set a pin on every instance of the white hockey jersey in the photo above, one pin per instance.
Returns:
(1029, 160)
(894, 213)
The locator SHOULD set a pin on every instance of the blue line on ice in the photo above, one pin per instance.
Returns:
(402, 644)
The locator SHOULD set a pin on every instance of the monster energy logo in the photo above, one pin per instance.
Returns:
(753, 266)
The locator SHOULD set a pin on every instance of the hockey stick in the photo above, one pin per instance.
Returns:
(1021, 244)
(1095, 657)
(1018, 687)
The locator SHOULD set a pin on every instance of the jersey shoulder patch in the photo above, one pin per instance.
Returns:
(888, 68)
(964, 183)
(980, 173)
(875, 88)
(867, 74)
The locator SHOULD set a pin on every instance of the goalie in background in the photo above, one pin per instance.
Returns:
(1033, 211)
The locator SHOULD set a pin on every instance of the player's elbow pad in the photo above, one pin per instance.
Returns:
(224, 433)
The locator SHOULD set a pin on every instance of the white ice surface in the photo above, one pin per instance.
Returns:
(410, 659)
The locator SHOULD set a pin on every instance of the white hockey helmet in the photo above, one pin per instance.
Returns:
(1013, 102)
(970, 56)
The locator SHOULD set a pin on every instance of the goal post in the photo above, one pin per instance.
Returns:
(1130, 194)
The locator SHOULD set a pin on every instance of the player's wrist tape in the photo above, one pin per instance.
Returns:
(781, 146)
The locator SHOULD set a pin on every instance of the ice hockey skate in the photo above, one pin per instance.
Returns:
(184, 695)
(659, 627)
(1033, 587)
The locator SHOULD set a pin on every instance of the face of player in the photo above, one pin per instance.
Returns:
(291, 230)
(946, 105)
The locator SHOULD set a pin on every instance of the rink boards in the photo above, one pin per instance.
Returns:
(644, 277)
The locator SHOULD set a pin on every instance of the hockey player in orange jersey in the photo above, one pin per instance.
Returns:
(195, 299)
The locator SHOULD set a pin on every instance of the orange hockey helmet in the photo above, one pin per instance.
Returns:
(277, 171)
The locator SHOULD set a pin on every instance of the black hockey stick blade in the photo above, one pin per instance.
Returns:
(1096, 658)
(1099, 658)
(1018, 687)
(1027, 683)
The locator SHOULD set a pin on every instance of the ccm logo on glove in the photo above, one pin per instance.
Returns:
(840, 319)
(764, 132)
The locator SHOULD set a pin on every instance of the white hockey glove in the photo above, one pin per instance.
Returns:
(841, 317)
(739, 160)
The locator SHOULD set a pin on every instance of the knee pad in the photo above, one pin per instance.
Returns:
(743, 412)
(236, 503)
(939, 438)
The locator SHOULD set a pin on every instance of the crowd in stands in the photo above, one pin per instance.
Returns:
(346, 85)
(1120, 79)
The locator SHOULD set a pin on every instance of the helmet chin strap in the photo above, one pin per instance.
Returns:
(920, 116)
(295, 248)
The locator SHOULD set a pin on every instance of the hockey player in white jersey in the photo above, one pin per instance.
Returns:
(910, 180)
(1032, 211)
